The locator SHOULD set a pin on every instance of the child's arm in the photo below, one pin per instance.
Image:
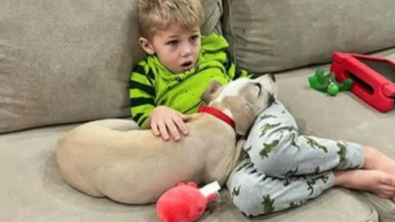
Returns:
(162, 120)
(142, 94)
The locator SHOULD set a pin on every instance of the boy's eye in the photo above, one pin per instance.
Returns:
(173, 43)
(195, 37)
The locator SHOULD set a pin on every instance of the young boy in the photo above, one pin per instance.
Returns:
(166, 87)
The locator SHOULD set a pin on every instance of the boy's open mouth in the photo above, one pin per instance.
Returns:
(186, 64)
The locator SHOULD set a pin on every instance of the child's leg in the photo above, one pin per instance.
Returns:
(311, 155)
(376, 160)
(374, 181)
(276, 149)
(255, 194)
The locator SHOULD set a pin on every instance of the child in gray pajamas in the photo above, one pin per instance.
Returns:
(282, 169)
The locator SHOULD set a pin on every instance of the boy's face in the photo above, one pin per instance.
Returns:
(177, 49)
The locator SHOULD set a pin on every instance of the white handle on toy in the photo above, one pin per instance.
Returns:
(210, 188)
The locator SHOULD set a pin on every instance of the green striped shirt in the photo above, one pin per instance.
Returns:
(152, 84)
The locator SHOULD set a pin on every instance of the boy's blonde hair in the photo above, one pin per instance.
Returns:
(157, 15)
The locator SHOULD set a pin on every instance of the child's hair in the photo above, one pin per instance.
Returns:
(157, 15)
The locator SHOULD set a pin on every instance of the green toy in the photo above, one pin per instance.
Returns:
(327, 83)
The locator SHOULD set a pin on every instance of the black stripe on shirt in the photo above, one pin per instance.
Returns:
(142, 120)
(139, 69)
(147, 89)
(137, 117)
(139, 101)
(151, 74)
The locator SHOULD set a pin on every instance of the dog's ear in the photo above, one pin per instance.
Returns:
(212, 88)
(243, 113)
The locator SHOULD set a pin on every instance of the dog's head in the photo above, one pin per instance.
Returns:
(242, 99)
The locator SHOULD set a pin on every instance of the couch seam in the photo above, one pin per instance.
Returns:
(232, 32)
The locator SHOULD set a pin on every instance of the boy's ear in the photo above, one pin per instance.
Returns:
(146, 45)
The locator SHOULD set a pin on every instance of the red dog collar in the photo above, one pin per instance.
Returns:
(217, 113)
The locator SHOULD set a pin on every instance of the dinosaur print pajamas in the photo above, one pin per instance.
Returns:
(281, 169)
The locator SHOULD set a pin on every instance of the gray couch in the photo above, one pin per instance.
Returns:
(63, 63)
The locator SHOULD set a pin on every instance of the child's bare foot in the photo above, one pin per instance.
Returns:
(374, 181)
(376, 160)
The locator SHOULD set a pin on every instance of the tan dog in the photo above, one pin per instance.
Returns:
(112, 158)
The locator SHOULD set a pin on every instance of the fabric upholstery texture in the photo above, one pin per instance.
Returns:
(272, 36)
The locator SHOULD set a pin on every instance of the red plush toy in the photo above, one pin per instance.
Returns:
(185, 202)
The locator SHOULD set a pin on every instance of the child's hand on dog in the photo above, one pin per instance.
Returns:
(164, 120)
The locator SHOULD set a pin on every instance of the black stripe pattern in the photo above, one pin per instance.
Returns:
(139, 101)
(147, 89)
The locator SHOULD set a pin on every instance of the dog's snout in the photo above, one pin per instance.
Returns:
(272, 77)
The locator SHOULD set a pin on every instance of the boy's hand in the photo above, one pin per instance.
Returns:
(164, 120)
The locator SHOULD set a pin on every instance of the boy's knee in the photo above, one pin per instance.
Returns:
(273, 157)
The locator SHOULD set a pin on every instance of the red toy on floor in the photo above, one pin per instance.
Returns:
(373, 76)
(185, 202)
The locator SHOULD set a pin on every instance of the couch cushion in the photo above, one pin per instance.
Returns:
(271, 35)
(385, 208)
(69, 61)
(33, 190)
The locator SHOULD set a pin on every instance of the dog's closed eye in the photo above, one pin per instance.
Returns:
(259, 88)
